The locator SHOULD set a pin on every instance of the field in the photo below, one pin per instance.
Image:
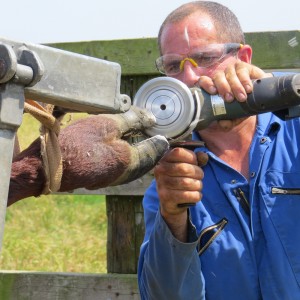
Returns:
(56, 233)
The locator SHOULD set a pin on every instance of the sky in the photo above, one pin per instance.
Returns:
(50, 21)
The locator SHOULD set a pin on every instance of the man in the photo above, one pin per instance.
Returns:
(239, 239)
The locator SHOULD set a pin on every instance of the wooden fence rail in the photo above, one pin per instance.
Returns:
(272, 51)
(67, 286)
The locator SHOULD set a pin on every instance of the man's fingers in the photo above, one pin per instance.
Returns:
(180, 154)
(206, 83)
(240, 77)
(246, 72)
(235, 82)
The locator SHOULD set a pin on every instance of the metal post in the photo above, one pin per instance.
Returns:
(11, 112)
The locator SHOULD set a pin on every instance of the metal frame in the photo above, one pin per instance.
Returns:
(68, 80)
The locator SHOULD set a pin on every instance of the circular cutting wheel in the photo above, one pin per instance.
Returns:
(172, 104)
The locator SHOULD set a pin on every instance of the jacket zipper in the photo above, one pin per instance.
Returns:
(285, 191)
(219, 226)
(241, 197)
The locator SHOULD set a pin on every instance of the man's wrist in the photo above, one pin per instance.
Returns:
(178, 224)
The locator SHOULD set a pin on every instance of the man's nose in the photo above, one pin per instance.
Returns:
(189, 74)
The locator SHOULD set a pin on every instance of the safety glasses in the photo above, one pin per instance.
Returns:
(203, 57)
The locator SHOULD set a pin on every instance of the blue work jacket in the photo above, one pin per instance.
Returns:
(244, 236)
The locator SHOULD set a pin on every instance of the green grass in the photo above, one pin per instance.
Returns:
(55, 233)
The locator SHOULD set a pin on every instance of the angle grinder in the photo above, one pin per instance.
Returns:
(178, 109)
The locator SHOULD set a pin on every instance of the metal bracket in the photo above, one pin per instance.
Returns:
(26, 69)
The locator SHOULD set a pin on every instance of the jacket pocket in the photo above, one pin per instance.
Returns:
(209, 234)
(281, 197)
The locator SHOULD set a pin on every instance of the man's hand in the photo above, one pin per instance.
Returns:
(95, 155)
(235, 82)
(179, 181)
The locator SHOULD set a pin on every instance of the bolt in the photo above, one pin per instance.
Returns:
(3, 68)
(8, 63)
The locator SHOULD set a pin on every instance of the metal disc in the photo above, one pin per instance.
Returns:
(172, 104)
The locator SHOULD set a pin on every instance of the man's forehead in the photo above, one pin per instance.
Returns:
(194, 28)
(196, 20)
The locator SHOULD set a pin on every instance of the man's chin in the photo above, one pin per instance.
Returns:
(225, 125)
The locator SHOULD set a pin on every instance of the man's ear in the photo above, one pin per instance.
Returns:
(245, 54)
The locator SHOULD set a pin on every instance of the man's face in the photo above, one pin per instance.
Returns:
(195, 34)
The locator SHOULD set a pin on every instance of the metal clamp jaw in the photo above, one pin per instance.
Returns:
(17, 70)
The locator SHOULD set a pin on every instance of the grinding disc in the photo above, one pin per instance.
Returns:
(172, 104)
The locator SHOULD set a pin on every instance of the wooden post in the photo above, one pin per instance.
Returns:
(125, 223)
(125, 228)
(125, 233)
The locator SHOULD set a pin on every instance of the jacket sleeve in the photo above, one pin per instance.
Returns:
(168, 268)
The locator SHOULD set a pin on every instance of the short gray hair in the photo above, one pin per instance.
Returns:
(225, 21)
